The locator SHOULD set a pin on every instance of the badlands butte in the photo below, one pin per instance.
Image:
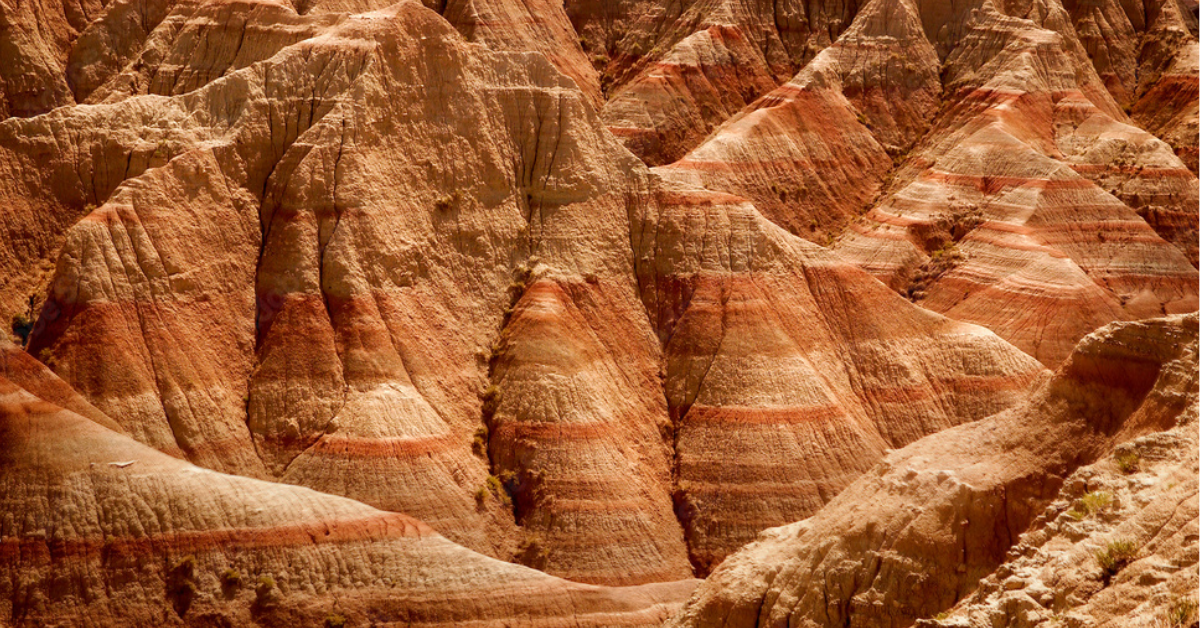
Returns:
(687, 313)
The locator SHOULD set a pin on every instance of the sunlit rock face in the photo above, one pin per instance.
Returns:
(494, 313)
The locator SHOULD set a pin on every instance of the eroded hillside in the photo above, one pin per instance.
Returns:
(533, 313)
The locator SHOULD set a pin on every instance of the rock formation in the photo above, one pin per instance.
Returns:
(101, 530)
(595, 290)
(789, 372)
(915, 535)
(1117, 548)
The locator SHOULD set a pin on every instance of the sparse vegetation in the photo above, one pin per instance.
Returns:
(181, 585)
(941, 261)
(1129, 462)
(1115, 556)
(496, 487)
(22, 324)
(266, 594)
(1181, 613)
(532, 552)
(46, 356)
(491, 401)
(335, 620)
(480, 443)
(1090, 504)
(231, 578)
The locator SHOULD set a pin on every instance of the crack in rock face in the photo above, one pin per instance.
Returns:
(598, 313)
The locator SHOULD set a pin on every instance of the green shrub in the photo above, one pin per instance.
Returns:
(335, 620)
(231, 578)
(532, 552)
(1115, 556)
(22, 326)
(1090, 504)
(181, 585)
(496, 486)
(479, 444)
(46, 356)
(491, 401)
(1129, 462)
(266, 594)
(1181, 613)
(446, 202)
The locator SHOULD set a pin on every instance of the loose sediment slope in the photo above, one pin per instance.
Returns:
(270, 265)
(916, 534)
(789, 372)
(412, 257)
(100, 530)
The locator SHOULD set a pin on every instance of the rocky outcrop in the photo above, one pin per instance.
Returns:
(100, 530)
(35, 38)
(1117, 548)
(916, 534)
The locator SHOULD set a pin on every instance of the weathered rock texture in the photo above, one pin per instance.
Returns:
(412, 257)
(358, 254)
(916, 534)
(789, 372)
(1144, 498)
(100, 530)
(1001, 217)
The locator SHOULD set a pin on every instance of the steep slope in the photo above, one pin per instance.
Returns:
(327, 325)
(674, 71)
(22, 370)
(1146, 52)
(99, 530)
(35, 38)
(674, 104)
(790, 372)
(805, 154)
(333, 256)
(1118, 548)
(915, 535)
(532, 25)
(995, 218)
(394, 252)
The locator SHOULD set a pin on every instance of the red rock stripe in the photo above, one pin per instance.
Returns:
(402, 447)
(700, 415)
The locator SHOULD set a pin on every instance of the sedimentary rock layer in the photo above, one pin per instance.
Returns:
(100, 530)
(789, 371)
(915, 535)
(1001, 217)
(399, 253)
